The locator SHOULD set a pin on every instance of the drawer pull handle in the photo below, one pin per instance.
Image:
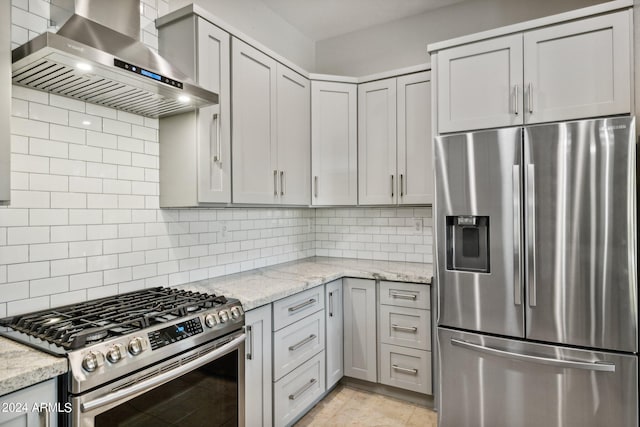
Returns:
(405, 328)
(404, 296)
(302, 305)
(330, 304)
(303, 342)
(304, 388)
(249, 332)
(407, 370)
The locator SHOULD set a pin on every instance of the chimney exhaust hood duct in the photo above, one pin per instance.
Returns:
(96, 56)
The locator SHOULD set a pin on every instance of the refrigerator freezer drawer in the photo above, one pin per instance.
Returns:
(489, 381)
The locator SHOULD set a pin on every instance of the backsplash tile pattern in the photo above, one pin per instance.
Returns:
(84, 220)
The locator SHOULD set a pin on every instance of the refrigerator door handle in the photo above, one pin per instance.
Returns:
(531, 235)
(517, 282)
(571, 364)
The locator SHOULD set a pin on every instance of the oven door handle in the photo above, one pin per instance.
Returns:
(162, 378)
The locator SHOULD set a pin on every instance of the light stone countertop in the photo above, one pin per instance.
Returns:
(22, 366)
(262, 286)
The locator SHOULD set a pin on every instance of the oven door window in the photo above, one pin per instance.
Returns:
(207, 396)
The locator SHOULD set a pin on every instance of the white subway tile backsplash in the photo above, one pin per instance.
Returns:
(68, 298)
(84, 152)
(27, 271)
(48, 148)
(85, 280)
(19, 144)
(30, 128)
(101, 170)
(48, 251)
(27, 235)
(48, 217)
(117, 275)
(19, 108)
(85, 216)
(30, 199)
(115, 127)
(85, 249)
(102, 201)
(28, 20)
(46, 182)
(68, 200)
(67, 167)
(131, 173)
(102, 111)
(85, 121)
(66, 103)
(14, 254)
(102, 262)
(48, 114)
(116, 157)
(68, 266)
(14, 291)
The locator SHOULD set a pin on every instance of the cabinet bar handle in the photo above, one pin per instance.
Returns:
(249, 332)
(330, 304)
(45, 417)
(405, 328)
(304, 388)
(407, 370)
(275, 183)
(315, 190)
(218, 157)
(302, 305)
(401, 185)
(516, 103)
(530, 98)
(303, 342)
(282, 183)
(403, 296)
(392, 186)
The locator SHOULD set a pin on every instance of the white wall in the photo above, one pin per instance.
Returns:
(257, 21)
(404, 42)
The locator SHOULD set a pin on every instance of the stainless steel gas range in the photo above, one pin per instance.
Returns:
(152, 357)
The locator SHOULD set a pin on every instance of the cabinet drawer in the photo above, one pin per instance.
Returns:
(408, 327)
(296, 343)
(405, 294)
(294, 393)
(293, 308)
(405, 368)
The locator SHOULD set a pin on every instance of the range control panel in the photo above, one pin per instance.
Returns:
(165, 336)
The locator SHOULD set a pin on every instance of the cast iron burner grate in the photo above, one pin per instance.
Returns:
(76, 325)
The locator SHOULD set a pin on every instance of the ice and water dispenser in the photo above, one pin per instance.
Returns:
(468, 243)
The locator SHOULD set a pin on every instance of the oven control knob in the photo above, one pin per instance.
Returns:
(136, 345)
(211, 320)
(235, 312)
(115, 353)
(92, 361)
(224, 315)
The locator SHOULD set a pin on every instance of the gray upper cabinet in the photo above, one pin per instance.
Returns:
(395, 164)
(334, 144)
(579, 69)
(195, 147)
(255, 172)
(566, 71)
(480, 85)
(5, 100)
(270, 131)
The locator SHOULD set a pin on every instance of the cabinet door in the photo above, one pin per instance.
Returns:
(334, 147)
(214, 133)
(255, 175)
(377, 180)
(415, 139)
(360, 359)
(335, 343)
(258, 392)
(5, 100)
(294, 137)
(480, 85)
(579, 69)
(16, 409)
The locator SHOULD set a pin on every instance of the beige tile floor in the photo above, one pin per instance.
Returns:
(346, 406)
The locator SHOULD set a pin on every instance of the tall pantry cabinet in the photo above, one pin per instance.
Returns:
(271, 121)
(195, 147)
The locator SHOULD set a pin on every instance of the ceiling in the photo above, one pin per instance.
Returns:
(323, 19)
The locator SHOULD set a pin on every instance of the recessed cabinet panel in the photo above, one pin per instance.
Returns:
(334, 332)
(334, 163)
(255, 175)
(579, 69)
(360, 342)
(415, 146)
(479, 85)
(258, 378)
(377, 179)
(294, 137)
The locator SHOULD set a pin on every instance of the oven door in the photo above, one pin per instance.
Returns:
(202, 387)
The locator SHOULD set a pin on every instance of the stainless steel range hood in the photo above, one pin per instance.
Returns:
(97, 57)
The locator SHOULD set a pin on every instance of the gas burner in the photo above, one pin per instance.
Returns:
(96, 336)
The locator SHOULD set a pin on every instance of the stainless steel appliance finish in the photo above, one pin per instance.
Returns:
(89, 59)
(476, 177)
(122, 347)
(5, 101)
(507, 382)
(555, 317)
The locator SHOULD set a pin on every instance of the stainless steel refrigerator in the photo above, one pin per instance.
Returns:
(536, 247)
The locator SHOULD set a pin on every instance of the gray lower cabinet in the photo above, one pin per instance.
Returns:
(298, 354)
(23, 408)
(258, 392)
(360, 345)
(334, 332)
